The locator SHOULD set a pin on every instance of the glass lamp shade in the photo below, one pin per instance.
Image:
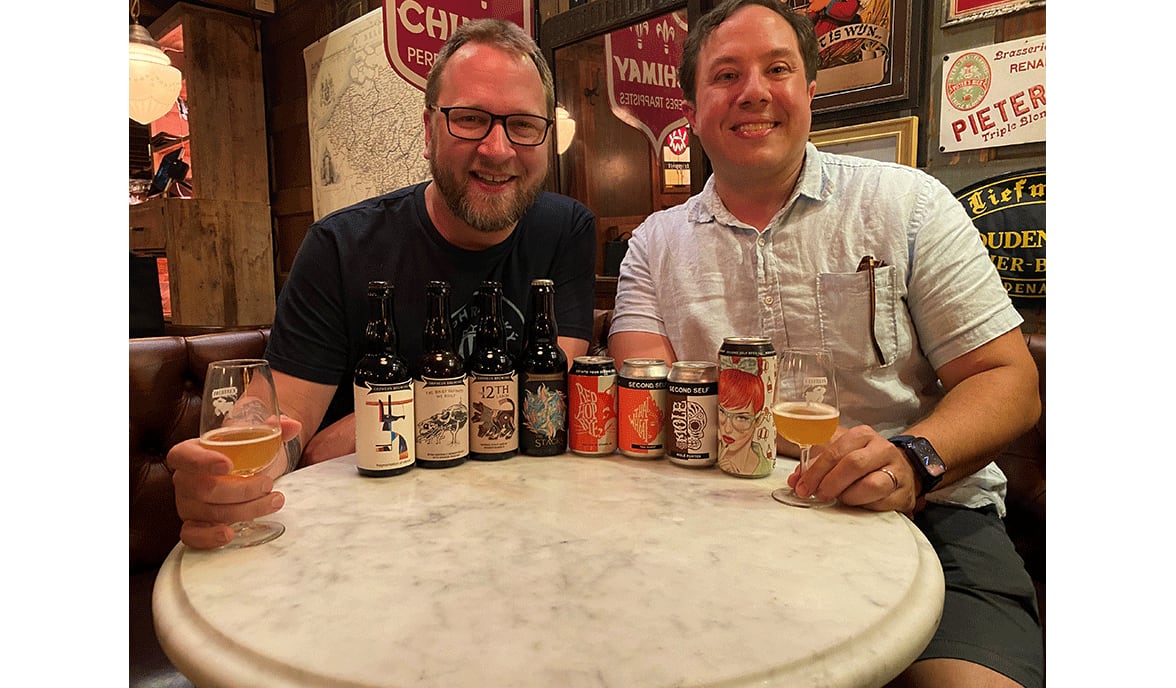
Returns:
(565, 129)
(155, 83)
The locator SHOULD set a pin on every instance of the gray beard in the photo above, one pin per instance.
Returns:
(502, 214)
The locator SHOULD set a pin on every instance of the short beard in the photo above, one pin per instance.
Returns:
(503, 212)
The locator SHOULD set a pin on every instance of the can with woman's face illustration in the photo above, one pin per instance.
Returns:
(641, 408)
(747, 382)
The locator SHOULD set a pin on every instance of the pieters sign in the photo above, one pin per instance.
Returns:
(1009, 211)
(993, 95)
(415, 29)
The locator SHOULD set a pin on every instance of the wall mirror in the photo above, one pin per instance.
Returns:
(611, 163)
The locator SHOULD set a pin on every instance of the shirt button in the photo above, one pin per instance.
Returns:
(761, 241)
(769, 300)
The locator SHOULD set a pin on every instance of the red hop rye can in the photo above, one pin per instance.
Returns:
(641, 408)
(592, 406)
(692, 400)
(747, 384)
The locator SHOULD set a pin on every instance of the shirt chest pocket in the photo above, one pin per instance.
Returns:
(858, 319)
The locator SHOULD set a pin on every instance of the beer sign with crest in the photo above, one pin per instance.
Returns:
(414, 30)
(643, 88)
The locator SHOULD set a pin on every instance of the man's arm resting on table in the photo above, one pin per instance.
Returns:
(991, 399)
(625, 345)
(307, 402)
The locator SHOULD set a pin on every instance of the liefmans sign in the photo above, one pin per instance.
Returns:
(1009, 212)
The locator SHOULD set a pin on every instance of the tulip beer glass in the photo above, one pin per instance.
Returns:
(239, 418)
(805, 409)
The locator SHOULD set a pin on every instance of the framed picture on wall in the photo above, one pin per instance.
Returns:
(892, 140)
(869, 53)
(963, 11)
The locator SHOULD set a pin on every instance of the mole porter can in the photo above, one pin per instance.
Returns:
(641, 408)
(747, 384)
(692, 402)
(592, 406)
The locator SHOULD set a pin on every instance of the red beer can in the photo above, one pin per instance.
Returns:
(641, 408)
(592, 406)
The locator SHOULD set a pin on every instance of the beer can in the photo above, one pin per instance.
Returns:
(747, 383)
(641, 408)
(692, 401)
(592, 406)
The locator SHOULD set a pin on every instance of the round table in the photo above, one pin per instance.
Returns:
(555, 571)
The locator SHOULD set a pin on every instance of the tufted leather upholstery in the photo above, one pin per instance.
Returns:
(1024, 464)
(166, 379)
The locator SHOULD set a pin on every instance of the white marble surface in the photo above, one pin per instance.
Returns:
(553, 572)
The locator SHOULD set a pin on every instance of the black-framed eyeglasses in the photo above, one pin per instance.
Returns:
(472, 124)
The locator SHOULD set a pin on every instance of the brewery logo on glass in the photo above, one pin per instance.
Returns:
(814, 389)
(223, 399)
(414, 30)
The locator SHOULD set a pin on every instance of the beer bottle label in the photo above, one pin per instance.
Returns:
(442, 418)
(384, 426)
(494, 414)
(544, 411)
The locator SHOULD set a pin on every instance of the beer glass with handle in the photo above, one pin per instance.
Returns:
(805, 410)
(239, 418)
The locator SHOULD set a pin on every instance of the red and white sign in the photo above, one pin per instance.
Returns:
(414, 30)
(643, 86)
(993, 95)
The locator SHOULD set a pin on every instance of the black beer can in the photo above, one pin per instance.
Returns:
(692, 400)
(747, 383)
(592, 406)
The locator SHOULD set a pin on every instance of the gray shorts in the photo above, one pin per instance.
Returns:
(989, 607)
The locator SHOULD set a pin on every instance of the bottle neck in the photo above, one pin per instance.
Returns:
(380, 333)
(438, 334)
(490, 332)
(542, 328)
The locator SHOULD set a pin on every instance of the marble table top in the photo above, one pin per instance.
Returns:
(550, 572)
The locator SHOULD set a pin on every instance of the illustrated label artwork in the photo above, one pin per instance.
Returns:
(442, 429)
(385, 425)
(494, 415)
(545, 408)
(993, 95)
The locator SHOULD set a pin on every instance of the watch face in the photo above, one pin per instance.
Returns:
(928, 456)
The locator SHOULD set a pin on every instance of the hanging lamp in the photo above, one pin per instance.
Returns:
(155, 83)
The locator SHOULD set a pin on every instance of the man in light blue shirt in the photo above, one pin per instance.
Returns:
(880, 264)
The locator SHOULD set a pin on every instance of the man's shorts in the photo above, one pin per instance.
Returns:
(989, 607)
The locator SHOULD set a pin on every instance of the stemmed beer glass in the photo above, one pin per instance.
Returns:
(805, 410)
(239, 418)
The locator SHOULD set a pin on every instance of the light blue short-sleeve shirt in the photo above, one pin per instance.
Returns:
(696, 274)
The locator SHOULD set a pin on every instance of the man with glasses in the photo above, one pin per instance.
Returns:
(489, 110)
(879, 263)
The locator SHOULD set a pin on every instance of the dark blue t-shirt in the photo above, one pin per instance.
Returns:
(322, 309)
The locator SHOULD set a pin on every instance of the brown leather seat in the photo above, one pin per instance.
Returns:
(166, 379)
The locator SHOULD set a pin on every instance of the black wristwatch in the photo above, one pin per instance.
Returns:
(924, 459)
